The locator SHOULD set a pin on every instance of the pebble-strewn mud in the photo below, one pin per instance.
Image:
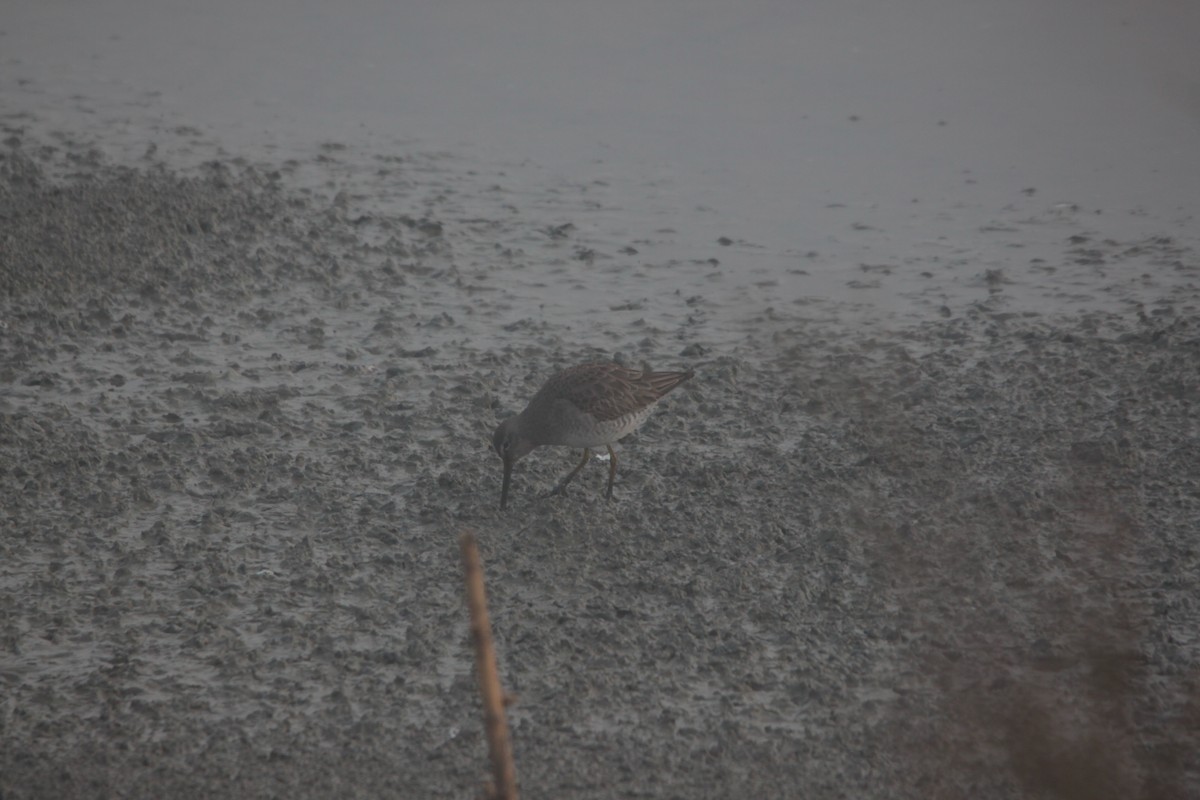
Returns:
(242, 423)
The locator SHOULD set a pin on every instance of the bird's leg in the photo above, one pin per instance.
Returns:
(562, 485)
(612, 470)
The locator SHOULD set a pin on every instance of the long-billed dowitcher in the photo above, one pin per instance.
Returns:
(585, 406)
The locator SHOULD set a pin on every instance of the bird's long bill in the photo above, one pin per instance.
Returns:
(508, 465)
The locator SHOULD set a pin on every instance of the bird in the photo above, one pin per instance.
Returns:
(584, 406)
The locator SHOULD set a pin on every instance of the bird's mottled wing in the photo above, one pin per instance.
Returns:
(609, 391)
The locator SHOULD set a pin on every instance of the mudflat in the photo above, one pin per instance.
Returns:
(245, 413)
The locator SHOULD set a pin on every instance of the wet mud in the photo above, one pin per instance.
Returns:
(246, 409)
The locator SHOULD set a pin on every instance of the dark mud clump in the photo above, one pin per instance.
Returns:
(241, 426)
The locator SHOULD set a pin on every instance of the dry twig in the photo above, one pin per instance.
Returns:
(504, 773)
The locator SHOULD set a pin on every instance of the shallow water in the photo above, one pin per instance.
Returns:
(844, 152)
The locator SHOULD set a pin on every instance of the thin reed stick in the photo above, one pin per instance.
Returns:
(504, 773)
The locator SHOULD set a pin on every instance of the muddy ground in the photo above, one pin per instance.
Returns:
(245, 414)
